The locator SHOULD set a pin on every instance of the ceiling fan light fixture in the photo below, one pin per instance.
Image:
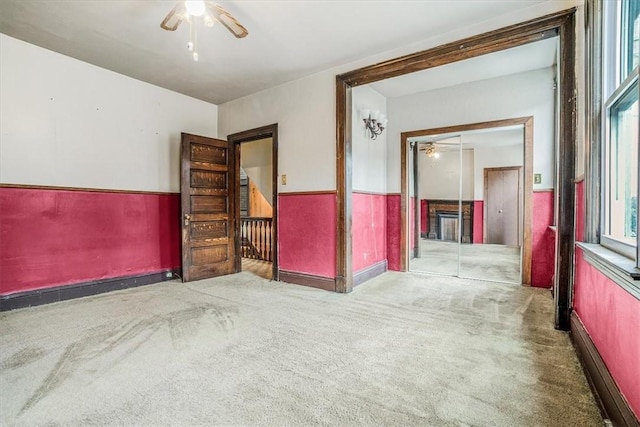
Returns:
(208, 21)
(194, 7)
(432, 151)
(189, 10)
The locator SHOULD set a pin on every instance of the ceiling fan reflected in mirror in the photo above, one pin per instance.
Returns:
(430, 150)
(205, 11)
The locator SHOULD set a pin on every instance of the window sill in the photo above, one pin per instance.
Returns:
(616, 267)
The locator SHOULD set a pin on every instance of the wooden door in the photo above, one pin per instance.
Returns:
(208, 206)
(502, 206)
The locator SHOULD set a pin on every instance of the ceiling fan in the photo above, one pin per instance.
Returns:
(210, 12)
(431, 150)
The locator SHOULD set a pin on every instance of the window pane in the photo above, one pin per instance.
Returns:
(630, 36)
(622, 200)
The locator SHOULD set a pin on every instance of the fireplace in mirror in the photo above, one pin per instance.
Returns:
(443, 221)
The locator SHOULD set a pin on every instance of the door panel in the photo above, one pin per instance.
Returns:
(494, 232)
(510, 207)
(209, 204)
(208, 223)
(502, 207)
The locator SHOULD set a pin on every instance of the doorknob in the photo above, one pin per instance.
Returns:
(187, 218)
(499, 210)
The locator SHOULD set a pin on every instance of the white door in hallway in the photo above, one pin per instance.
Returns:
(502, 206)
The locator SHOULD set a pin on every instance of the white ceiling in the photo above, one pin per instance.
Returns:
(287, 39)
(532, 56)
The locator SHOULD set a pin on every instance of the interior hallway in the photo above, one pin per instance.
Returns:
(402, 349)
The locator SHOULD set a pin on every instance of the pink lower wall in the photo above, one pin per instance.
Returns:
(412, 219)
(478, 221)
(307, 233)
(611, 316)
(393, 232)
(57, 237)
(368, 229)
(542, 240)
(51, 237)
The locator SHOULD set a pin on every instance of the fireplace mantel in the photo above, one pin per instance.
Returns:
(437, 207)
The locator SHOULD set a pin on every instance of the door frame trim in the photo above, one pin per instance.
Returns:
(561, 24)
(527, 123)
(269, 131)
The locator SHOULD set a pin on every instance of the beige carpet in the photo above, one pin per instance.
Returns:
(484, 262)
(402, 349)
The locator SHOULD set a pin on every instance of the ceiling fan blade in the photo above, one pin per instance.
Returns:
(226, 19)
(173, 18)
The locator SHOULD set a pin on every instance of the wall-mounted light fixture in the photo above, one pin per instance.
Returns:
(374, 122)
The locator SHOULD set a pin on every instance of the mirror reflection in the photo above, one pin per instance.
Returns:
(438, 178)
(470, 197)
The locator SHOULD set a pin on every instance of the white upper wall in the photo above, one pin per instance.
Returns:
(525, 94)
(369, 156)
(305, 109)
(494, 157)
(66, 123)
(440, 178)
(305, 113)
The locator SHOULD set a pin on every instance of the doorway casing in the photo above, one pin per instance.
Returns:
(269, 131)
(560, 24)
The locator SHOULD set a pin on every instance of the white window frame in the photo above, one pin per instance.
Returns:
(614, 89)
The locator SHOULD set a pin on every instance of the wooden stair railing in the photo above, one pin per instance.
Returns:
(249, 250)
(257, 235)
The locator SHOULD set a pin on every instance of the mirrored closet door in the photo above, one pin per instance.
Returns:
(436, 210)
(495, 205)
(466, 213)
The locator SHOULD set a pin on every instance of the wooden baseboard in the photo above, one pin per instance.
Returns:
(369, 273)
(79, 290)
(310, 280)
(611, 401)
